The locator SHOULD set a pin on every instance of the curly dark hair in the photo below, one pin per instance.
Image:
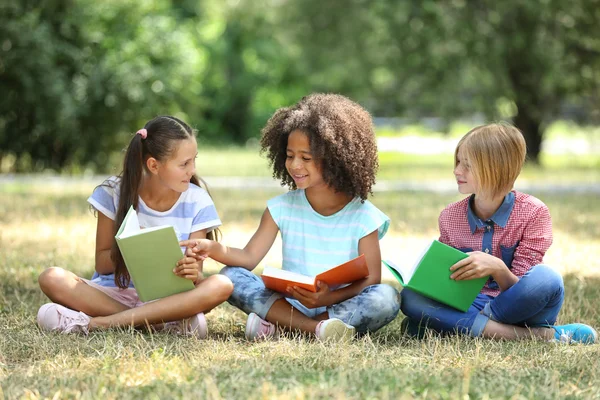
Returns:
(342, 142)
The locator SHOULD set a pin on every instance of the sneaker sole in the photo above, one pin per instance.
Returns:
(338, 331)
(200, 330)
(251, 318)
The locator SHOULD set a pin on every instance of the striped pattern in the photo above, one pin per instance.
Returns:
(193, 211)
(312, 242)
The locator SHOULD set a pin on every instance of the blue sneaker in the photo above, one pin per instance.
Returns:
(575, 333)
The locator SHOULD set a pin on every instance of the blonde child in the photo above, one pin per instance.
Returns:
(506, 234)
(159, 180)
(323, 148)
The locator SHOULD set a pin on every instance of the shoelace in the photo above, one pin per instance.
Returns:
(565, 337)
(69, 324)
(267, 329)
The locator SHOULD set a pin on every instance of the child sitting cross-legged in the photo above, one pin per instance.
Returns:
(324, 149)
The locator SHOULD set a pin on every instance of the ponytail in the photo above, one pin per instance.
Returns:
(155, 140)
(130, 182)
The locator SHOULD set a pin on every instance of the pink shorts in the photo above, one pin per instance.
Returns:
(127, 297)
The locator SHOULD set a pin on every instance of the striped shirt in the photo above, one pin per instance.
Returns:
(193, 211)
(313, 243)
(519, 232)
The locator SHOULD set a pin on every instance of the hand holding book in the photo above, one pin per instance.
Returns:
(189, 267)
(478, 265)
(312, 299)
(431, 275)
(151, 255)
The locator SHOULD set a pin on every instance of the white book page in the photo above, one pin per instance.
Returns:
(132, 226)
(126, 234)
(288, 275)
(407, 271)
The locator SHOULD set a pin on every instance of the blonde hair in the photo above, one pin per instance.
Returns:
(496, 153)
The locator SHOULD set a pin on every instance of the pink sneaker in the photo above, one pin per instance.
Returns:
(54, 317)
(335, 330)
(259, 329)
(193, 326)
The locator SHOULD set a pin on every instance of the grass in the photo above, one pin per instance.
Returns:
(561, 169)
(44, 226)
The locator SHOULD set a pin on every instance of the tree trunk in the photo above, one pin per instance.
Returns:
(530, 126)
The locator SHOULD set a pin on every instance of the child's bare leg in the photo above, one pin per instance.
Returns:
(209, 293)
(66, 288)
(283, 314)
(497, 330)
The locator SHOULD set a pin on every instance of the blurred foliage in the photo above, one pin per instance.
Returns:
(510, 59)
(77, 77)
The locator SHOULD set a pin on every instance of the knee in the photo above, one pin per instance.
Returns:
(232, 272)
(548, 278)
(52, 280)
(223, 287)
(413, 304)
(388, 302)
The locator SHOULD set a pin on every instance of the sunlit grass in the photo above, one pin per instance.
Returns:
(41, 226)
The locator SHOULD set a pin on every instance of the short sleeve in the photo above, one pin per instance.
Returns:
(274, 206)
(207, 216)
(105, 199)
(374, 219)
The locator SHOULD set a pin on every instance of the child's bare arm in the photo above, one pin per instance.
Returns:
(369, 246)
(105, 235)
(249, 256)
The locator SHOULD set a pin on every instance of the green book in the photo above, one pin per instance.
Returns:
(150, 256)
(430, 276)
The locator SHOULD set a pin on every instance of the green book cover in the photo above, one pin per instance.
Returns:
(430, 276)
(150, 256)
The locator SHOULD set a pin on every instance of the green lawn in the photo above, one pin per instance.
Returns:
(43, 226)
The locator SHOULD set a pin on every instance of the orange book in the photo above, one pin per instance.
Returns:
(348, 272)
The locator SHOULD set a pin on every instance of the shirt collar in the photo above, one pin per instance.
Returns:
(500, 217)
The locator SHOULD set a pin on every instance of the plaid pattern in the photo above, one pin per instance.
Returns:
(519, 233)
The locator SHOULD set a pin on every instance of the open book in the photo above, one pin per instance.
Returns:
(348, 272)
(430, 276)
(150, 256)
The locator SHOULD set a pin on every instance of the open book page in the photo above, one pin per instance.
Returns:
(407, 271)
(131, 226)
(288, 275)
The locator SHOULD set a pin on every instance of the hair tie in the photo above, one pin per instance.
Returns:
(143, 133)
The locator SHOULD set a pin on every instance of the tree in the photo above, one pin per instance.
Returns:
(425, 58)
(78, 77)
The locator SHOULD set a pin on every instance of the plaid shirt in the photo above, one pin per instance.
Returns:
(519, 232)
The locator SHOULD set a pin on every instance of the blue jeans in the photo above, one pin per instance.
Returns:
(371, 309)
(533, 301)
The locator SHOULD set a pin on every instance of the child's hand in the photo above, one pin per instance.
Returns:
(199, 247)
(189, 252)
(477, 265)
(310, 299)
(189, 267)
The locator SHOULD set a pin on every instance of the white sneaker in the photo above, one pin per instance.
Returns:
(54, 317)
(193, 326)
(259, 329)
(335, 330)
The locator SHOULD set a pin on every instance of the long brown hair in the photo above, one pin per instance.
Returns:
(162, 134)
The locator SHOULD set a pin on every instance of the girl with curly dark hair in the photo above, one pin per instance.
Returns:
(324, 149)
